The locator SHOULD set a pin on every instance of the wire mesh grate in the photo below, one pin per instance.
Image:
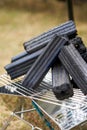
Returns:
(66, 113)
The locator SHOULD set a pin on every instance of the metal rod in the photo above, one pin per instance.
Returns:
(25, 111)
(33, 128)
(70, 10)
(49, 97)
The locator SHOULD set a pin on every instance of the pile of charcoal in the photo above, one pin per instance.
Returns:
(60, 49)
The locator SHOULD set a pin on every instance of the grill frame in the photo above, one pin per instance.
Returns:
(43, 97)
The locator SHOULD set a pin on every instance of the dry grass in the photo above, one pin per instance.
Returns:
(18, 26)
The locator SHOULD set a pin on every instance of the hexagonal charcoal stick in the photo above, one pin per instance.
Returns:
(75, 65)
(42, 40)
(62, 87)
(44, 62)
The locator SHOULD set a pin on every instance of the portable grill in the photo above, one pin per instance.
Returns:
(52, 94)
(68, 114)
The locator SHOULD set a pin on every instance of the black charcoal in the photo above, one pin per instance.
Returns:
(62, 87)
(21, 66)
(79, 45)
(19, 56)
(44, 62)
(41, 41)
(75, 65)
(84, 55)
(74, 84)
(22, 62)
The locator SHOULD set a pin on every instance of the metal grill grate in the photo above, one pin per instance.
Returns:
(66, 113)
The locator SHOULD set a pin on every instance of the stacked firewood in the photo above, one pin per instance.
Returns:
(60, 49)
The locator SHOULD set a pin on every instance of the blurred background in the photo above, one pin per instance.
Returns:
(21, 20)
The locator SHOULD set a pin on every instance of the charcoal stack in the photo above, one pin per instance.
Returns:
(60, 49)
(21, 63)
